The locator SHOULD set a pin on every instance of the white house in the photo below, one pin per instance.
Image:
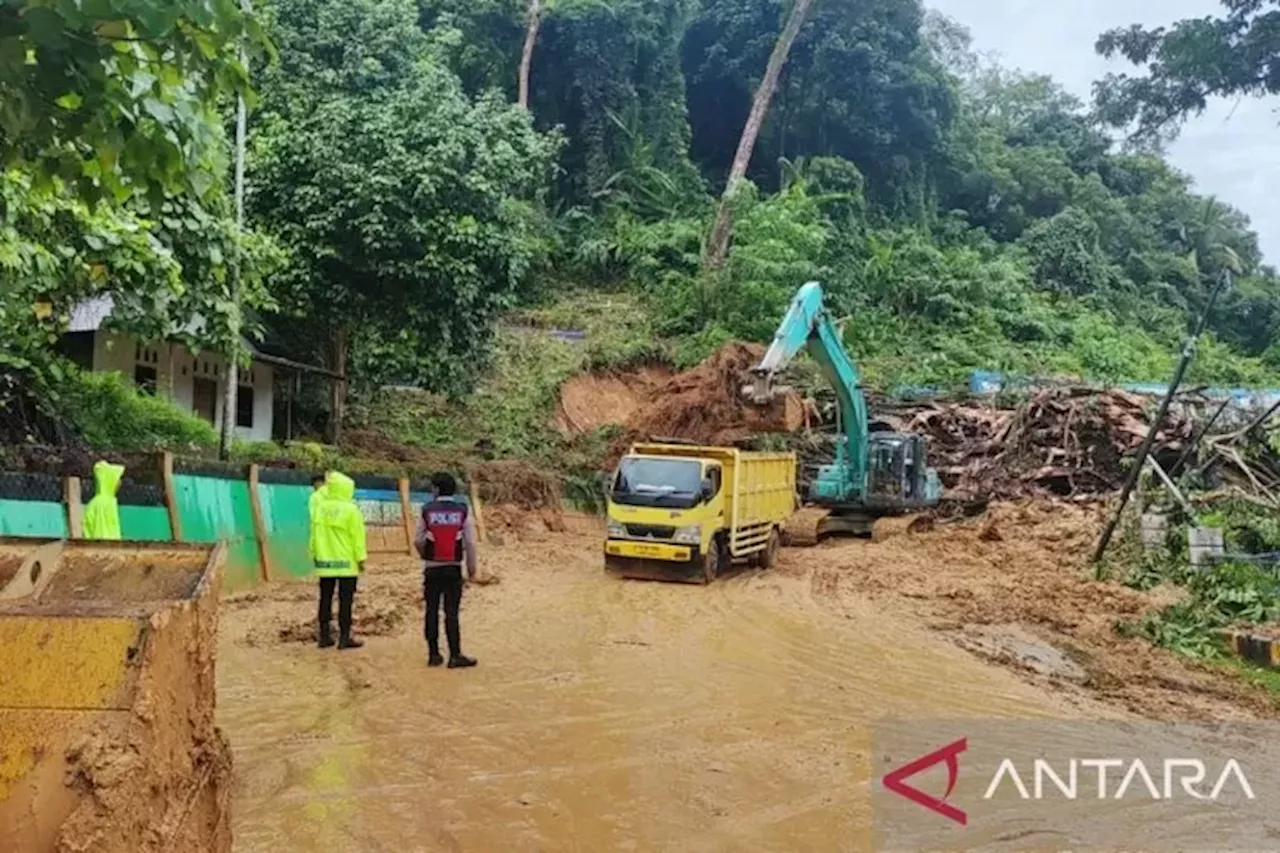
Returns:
(194, 382)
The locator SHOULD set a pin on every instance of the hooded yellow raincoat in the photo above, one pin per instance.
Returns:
(337, 530)
(102, 515)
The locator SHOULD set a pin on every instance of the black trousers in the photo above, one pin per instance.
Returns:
(346, 595)
(443, 584)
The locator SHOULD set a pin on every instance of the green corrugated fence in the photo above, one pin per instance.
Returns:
(284, 515)
(32, 518)
(145, 523)
(212, 509)
(212, 502)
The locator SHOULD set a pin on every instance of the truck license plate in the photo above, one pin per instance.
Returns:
(648, 551)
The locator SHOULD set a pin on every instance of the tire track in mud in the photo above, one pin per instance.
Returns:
(856, 658)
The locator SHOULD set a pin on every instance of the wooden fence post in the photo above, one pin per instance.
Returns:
(475, 508)
(259, 526)
(75, 507)
(406, 514)
(170, 495)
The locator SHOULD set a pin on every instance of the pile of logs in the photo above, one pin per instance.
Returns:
(1077, 442)
(1068, 442)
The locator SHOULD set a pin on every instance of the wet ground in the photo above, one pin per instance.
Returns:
(604, 715)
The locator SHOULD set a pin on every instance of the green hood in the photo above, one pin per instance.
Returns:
(340, 487)
(106, 478)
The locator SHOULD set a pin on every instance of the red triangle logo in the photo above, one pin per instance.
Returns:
(896, 780)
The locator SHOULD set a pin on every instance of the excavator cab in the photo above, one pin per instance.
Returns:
(897, 473)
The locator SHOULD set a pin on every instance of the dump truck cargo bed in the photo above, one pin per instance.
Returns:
(107, 738)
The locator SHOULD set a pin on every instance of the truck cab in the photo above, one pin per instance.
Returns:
(664, 508)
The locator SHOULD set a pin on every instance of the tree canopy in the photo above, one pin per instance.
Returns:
(962, 215)
(1187, 64)
(113, 161)
(404, 204)
(119, 95)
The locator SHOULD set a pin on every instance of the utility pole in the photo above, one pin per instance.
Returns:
(1188, 353)
(231, 392)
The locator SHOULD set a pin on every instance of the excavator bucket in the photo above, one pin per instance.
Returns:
(107, 737)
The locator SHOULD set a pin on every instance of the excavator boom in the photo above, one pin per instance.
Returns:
(872, 475)
(808, 326)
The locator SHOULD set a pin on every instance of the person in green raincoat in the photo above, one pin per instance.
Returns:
(102, 515)
(339, 553)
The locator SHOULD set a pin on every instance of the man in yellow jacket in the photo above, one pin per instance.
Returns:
(102, 514)
(338, 549)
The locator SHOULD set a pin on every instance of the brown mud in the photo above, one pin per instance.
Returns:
(515, 482)
(1020, 572)
(589, 401)
(616, 715)
(703, 405)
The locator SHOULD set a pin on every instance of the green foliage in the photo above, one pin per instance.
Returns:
(1065, 254)
(166, 266)
(1187, 64)
(1246, 527)
(619, 329)
(402, 202)
(860, 84)
(778, 244)
(112, 155)
(109, 414)
(113, 97)
(959, 215)
(1225, 595)
(514, 406)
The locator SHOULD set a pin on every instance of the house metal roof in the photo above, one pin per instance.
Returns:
(90, 314)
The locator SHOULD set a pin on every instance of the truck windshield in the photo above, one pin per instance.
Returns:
(675, 483)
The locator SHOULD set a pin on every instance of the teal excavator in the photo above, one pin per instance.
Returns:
(875, 474)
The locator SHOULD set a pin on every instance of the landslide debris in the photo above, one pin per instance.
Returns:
(588, 401)
(705, 405)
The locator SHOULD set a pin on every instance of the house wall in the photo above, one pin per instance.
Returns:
(176, 369)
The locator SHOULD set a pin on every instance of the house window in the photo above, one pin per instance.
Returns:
(204, 398)
(244, 407)
(145, 378)
(78, 348)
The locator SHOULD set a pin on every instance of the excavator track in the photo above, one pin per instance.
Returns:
(805, 526)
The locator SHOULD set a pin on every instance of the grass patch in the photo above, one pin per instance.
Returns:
(1267, 679)
(512, 412)
(110, 414)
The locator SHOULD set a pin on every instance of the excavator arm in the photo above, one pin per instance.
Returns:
(808, 326)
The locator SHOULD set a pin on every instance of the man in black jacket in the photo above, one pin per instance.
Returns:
(445, 538)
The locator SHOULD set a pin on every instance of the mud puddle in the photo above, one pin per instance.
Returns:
(604, 715)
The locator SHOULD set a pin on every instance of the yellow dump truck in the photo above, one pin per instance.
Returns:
(682, 512)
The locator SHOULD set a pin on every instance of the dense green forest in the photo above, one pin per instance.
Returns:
(416, 170)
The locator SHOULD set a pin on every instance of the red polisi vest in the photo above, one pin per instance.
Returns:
(445, 522)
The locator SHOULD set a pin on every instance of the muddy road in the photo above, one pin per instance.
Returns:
(604, 715)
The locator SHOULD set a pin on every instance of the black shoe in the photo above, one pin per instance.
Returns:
(326, 642)
(435, 660)
(349, 643)
(461, 662)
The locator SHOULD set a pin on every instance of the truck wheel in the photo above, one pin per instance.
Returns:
(711, 562)
(769, 555)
